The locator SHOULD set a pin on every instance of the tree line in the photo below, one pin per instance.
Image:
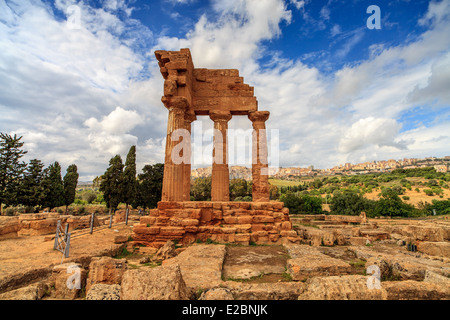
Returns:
(121, 184)
(30, 184)
(36, 187)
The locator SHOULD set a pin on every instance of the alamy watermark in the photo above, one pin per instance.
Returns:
(374, 21)
(74, 281)
(243, 147)
(374, 280)
(73, 13)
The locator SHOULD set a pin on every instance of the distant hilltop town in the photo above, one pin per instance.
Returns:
(241, 172)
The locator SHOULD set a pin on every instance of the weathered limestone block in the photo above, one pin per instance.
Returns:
(9, 226)
(349, 287)
(392, 268)
(217, 294)
(37, 225)
(415, 290)
(374, 235)
(69, 279)
(264, 291)
(320, 237)
(32, 292)
(446, 233)
(119, 216)
(440, 249)
(167, 251)
(105, 270)
(422, 233)
(308, 262)
(359, 241)
(433, 277)
(101, 291)
(120, 239)
(159, 283)
(148, 220)
(245, 219)
(204, 260)
(243, 228)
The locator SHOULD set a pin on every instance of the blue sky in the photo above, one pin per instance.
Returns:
(80, 83)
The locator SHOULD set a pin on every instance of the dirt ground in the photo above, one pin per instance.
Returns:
(27, 254)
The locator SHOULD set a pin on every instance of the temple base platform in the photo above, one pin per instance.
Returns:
(215, 222)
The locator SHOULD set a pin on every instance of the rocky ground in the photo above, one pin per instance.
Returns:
(332, 261)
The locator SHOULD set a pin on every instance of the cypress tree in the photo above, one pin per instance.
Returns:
(111, 183)
(150, 186)
(11, 168)
(31, 189)
(129, 178)
(53, 186)
(70, 184)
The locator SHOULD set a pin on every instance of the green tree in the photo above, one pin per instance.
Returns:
(390, 204)
(89, 196)
(302, 203)
(201, 189)
(53, 186)
(31, 189)
(129, 183)
(349, 203)
(111, 183)
(11, 168)
(149, 188)
(70, 184)
(238, 188)
(274, 193)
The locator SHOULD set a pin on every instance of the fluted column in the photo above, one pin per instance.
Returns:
(173, 172)
(220, 178)
(188, 119)
(260, 166)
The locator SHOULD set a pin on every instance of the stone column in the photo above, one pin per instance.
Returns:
(260, 166)
(173, 172)
(188, 119)
(220, 178)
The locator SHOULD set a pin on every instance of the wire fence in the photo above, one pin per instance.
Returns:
(63, 236)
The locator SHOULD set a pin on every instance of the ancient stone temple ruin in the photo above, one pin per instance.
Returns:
(220, 94)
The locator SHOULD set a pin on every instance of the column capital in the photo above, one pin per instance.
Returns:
(175, 102)
(190, 117)
(220, 116)
(258, 116)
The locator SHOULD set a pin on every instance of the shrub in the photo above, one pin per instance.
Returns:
(349, 203)
(89, 196)
(405, 198)
(302, 204)
(428, 192)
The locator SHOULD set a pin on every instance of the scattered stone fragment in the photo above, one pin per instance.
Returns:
(167, 251)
